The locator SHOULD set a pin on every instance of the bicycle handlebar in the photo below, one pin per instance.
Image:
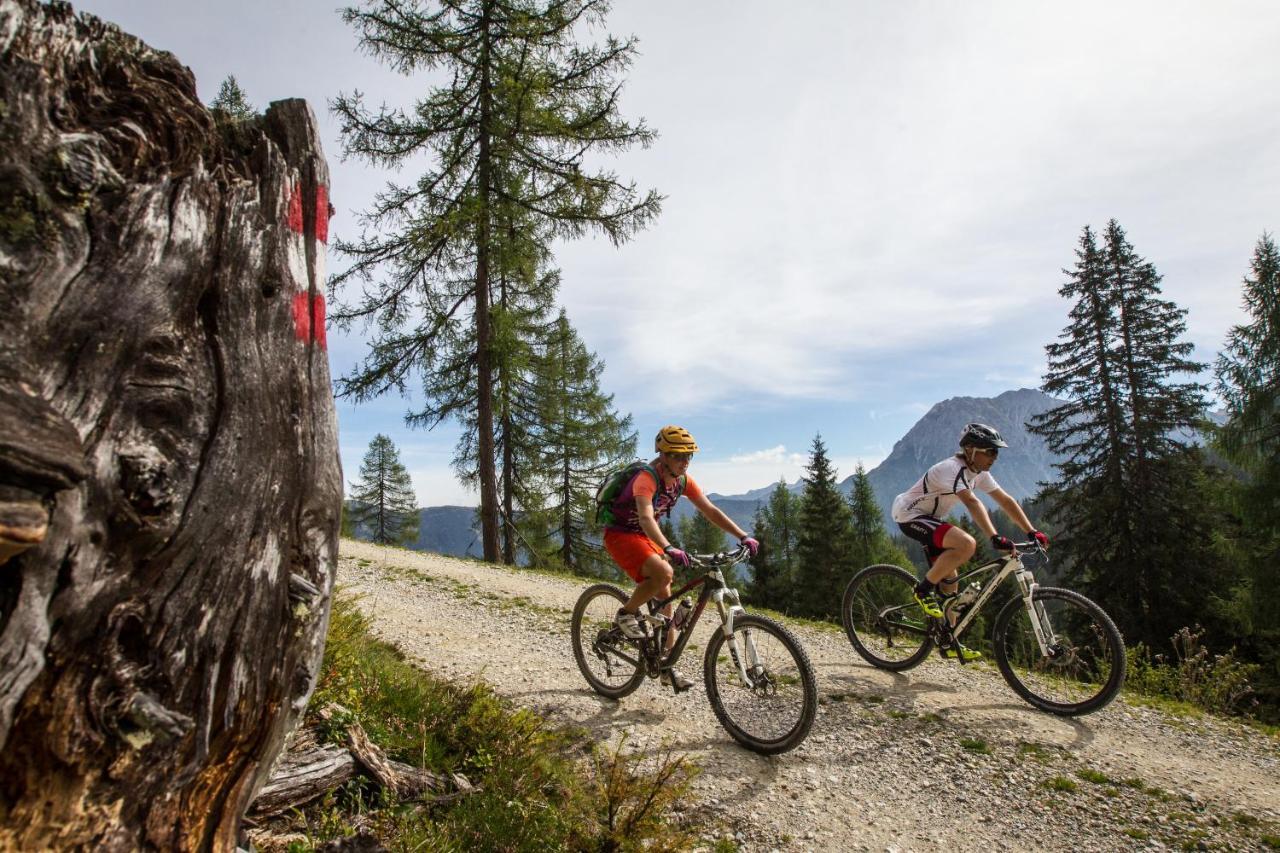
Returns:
(1032, 547)
(720, 558)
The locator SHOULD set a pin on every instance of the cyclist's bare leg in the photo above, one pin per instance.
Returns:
(960, 547)
(658, 575)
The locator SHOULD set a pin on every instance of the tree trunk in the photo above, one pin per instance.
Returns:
(169, 479)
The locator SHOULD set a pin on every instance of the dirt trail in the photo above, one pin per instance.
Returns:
(941, 757)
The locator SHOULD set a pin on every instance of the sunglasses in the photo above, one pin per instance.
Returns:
(993, 452)
(680, 457)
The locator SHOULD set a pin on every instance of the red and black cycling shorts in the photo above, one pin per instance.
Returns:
(929, 532)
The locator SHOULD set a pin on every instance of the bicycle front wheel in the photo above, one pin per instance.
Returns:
(882, 619)
(1082, 669)
(609, 661)
(771, 710)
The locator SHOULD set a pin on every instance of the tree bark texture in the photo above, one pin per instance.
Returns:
(169, 477)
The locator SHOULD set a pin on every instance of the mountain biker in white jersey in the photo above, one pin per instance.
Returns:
(919, 512)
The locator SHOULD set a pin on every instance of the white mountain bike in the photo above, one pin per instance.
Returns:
(1057, 649)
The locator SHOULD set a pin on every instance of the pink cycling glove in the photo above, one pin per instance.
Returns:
(752, 543)
(676, 556)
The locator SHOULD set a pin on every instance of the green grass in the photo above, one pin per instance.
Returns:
(1272, 841)
(541, 787)
(1135, 832)
(975, 744)
(1038, 751)
(1096, 777)
(1060, 783)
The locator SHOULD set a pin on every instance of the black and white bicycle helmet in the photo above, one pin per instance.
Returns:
(981, 435)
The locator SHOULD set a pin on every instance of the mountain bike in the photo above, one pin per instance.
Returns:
(757, 675)
(1056, 649)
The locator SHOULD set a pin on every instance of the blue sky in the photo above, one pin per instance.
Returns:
(868, 203)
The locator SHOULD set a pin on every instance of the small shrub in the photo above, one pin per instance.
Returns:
(1217, 683)
(633, 794)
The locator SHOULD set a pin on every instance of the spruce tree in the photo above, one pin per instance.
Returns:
(1248, 380)
(578, 438)
(871, 543)
(509, 131)
(775, 525)
(700, 536)
(382, 500)
(1135, 528)
(824, 540)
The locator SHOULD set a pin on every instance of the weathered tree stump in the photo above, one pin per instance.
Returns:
(169, 477)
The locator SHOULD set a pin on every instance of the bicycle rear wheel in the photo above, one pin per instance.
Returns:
(609, 661)
(775, 712)
(1084, 669)
(884, 623)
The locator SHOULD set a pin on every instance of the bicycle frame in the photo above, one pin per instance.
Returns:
(1010, 564)
(728, 605)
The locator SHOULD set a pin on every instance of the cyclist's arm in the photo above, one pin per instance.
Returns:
(649, 524)
(716, 516)
(977, 511)
(1013, 509)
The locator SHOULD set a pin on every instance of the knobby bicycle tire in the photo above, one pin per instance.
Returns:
(583, 652)
(879, 610)
(1090, 671)
(787, 667)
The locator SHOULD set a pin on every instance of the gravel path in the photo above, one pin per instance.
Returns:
(941, 757)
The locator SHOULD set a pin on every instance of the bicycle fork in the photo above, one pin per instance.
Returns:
(1040, 624)
(747, 660)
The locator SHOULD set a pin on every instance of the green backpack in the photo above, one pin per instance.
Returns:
(615, 482)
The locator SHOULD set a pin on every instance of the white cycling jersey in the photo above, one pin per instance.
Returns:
(936, 492)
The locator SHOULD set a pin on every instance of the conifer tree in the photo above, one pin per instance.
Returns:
(1125, 476)
(1248, 380)
(509, 131)
(382, 500)
(824, 540)
(871, 543)
(578, 438)
(231, 101)
(773, 567)
(699, 535)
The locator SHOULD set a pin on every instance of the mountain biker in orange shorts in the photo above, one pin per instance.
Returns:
(635, 541)
(919, 512)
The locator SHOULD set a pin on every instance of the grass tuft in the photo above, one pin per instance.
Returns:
(1060, 783)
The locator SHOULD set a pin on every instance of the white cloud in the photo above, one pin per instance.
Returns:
(771, 456)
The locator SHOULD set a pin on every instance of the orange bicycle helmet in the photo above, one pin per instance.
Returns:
(674, 439)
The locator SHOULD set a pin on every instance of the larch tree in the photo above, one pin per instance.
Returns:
(382, 500)
(517, 108)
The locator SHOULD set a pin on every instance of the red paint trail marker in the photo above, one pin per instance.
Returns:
(308, 318)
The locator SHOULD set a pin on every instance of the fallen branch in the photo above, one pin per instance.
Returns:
(306, 772)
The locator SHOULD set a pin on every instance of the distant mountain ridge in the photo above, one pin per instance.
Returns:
(453, 530)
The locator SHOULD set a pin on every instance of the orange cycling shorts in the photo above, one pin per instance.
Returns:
(630, 550)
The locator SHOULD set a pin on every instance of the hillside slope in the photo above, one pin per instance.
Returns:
(943, 757)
